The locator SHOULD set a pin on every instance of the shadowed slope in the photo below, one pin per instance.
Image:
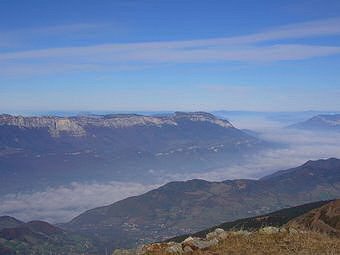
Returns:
(325, 219)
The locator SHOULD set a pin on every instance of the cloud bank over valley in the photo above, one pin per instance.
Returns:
(60, 204)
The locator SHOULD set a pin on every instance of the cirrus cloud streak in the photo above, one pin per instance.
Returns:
(110, 57)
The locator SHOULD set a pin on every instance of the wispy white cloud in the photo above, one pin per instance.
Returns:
(144, 53)
(242, 48)
(66, 28)
(294, 31)
(25, 36)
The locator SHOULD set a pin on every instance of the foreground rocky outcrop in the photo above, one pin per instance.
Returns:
(267, 240)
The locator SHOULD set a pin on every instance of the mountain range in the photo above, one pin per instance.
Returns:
(185, 207)
(46, 151)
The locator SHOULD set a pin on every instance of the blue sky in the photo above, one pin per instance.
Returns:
(169, 55)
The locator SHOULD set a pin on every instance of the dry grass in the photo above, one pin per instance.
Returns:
(279, 243)
(309, 243)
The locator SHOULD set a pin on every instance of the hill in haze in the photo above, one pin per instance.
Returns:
(39, 237)
(185, 207)
(9, 222)
(324, 122)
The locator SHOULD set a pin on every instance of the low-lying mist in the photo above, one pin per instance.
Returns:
(65, 202)
(60, 204)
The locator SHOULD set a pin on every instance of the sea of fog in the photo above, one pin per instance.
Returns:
(60, 204)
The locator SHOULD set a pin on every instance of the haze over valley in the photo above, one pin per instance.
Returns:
(84, 169)
(169, 127)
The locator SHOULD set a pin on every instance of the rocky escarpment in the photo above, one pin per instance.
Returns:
(201, 116)
(55, 125)
(76, 126)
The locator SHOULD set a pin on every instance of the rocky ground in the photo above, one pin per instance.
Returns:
(268, 240)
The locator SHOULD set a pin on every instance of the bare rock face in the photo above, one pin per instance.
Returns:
(215, 234)
(201, 244)
(76, 126)
(187, 250)
(159, 247)
(124, 121)
(174, 248)
(202, 116)
(55, 125)
(68, 126)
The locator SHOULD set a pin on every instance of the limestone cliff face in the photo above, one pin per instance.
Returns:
(124, 121)
(202, 116)
(67, 125)
(55, 125)
(76, 126)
